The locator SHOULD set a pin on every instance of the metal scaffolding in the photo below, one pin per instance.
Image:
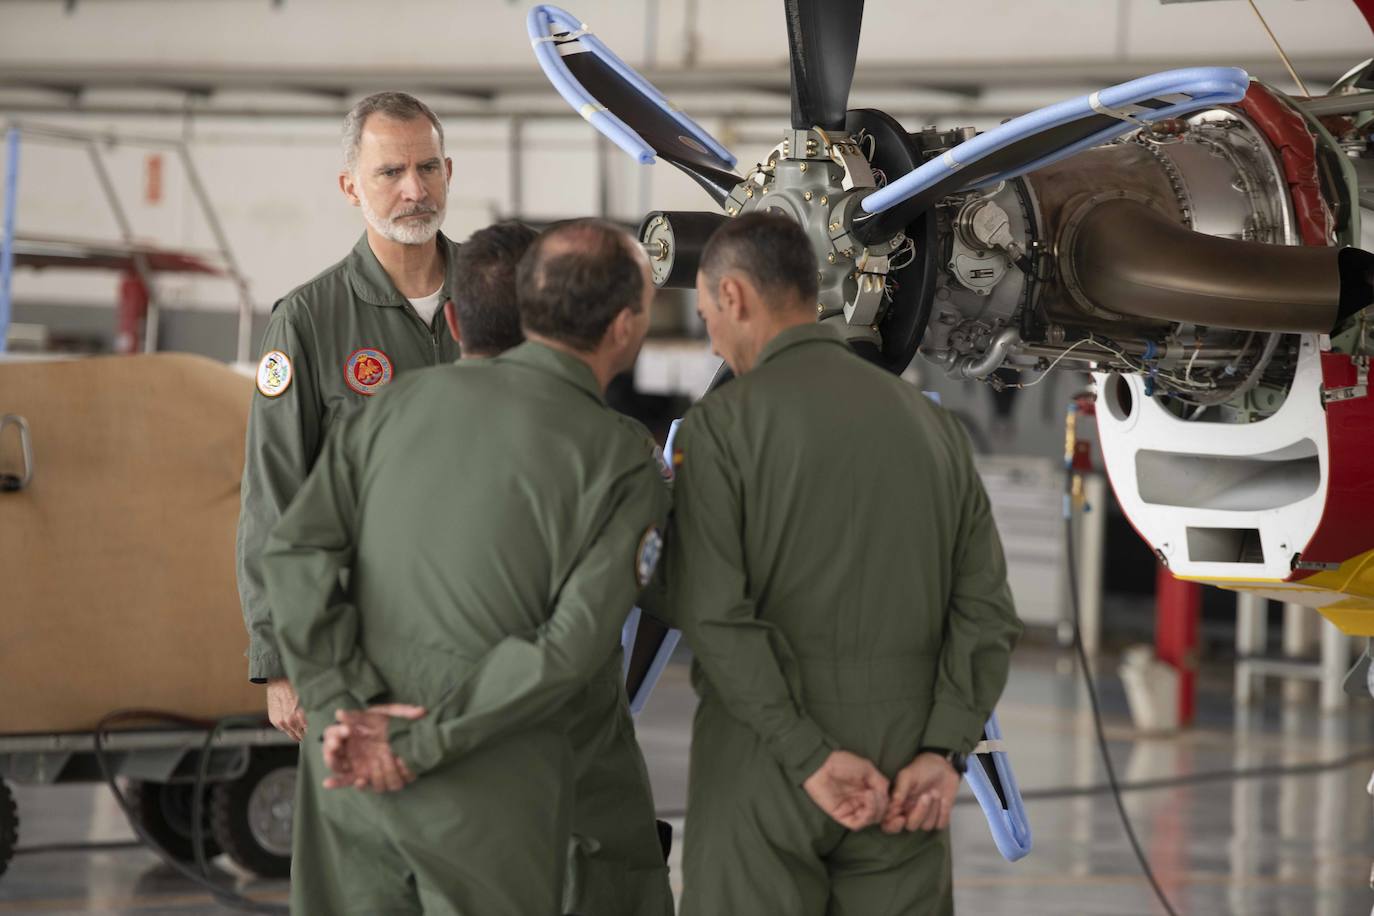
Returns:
(94, 143)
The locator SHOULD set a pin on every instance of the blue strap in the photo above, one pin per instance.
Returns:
(1010, 829)
(544, 21)
(1181, 91)
(656, 667)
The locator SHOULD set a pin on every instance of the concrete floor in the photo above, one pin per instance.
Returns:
(1292, 846)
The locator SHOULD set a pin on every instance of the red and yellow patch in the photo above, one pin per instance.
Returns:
(367, 370)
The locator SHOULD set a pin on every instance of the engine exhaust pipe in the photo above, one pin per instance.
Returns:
(1126, 257)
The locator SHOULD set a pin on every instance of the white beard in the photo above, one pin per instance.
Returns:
(410, 232)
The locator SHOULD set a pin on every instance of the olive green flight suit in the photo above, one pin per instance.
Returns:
(615, 862)
(496, 521)
(326, 330)
(834, 567)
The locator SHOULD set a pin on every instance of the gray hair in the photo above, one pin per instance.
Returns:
(400, 106)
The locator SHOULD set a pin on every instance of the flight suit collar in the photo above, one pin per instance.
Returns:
(555, 362)
(370, 282)
(795, 336)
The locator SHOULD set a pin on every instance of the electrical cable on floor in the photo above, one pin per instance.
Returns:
(1049, 793)
(1055, 793)
(1070, 494)
(97, 846)
(221, 894)
(1197, 779)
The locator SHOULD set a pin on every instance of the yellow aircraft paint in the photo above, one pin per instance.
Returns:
(1351, 591)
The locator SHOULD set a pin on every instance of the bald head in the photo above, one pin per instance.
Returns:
(576, 278)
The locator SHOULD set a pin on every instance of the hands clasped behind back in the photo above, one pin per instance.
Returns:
(357, 749)
(855, 794)
(922, 795)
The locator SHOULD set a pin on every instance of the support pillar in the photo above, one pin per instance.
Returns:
(1178, 610)
(1252, 613)
(1335, 660)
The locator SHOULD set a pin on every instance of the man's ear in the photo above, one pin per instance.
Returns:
(448, 170)
(733, 296)
(451, 319)
(622, 327)
(347, 184)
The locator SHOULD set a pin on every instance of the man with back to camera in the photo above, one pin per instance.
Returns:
(344, 336)
(834, 566)
(483, 316)
(488, 578)
(615, 867)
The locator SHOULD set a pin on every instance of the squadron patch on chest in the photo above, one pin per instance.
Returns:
(367, 370)
(274, 374)
(646, 557)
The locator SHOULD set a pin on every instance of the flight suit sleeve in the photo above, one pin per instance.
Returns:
(981, 624)
(316, 626)
(744, 658)
(655, 598)
(283, 440)
(527, 678)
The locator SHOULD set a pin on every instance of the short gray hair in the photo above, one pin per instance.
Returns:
(400, 106)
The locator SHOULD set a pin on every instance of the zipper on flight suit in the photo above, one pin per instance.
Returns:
(433, 334)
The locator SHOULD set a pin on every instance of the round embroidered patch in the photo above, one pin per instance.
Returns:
(367, 370)
(646, 558)
(274, 374)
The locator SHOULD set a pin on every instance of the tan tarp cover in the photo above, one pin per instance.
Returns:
(117, 564)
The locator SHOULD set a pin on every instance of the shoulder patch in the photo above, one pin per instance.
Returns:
(646, 557)
(274, 374)
(367, 370)
(665, 470)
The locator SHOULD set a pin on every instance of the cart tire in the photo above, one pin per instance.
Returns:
(164, 812)
(9, 826)
(252, 815)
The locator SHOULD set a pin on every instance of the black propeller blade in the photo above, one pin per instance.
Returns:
(823, 37)
(655, 126)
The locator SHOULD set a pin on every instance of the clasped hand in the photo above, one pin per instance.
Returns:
(358, 753)
(854, 793)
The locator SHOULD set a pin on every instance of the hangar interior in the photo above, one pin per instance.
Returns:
(171, 171)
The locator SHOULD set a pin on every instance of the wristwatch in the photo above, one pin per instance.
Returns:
(957, 760)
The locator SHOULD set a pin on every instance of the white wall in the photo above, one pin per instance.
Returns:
(273, 181)
(485, 33)
(275, 189)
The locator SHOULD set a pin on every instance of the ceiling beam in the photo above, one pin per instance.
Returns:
(962, 76)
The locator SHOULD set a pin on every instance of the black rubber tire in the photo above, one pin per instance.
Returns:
(230, 816)
(164, 812)
(9, 826)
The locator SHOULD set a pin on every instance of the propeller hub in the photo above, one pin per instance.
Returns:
(818, 178)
